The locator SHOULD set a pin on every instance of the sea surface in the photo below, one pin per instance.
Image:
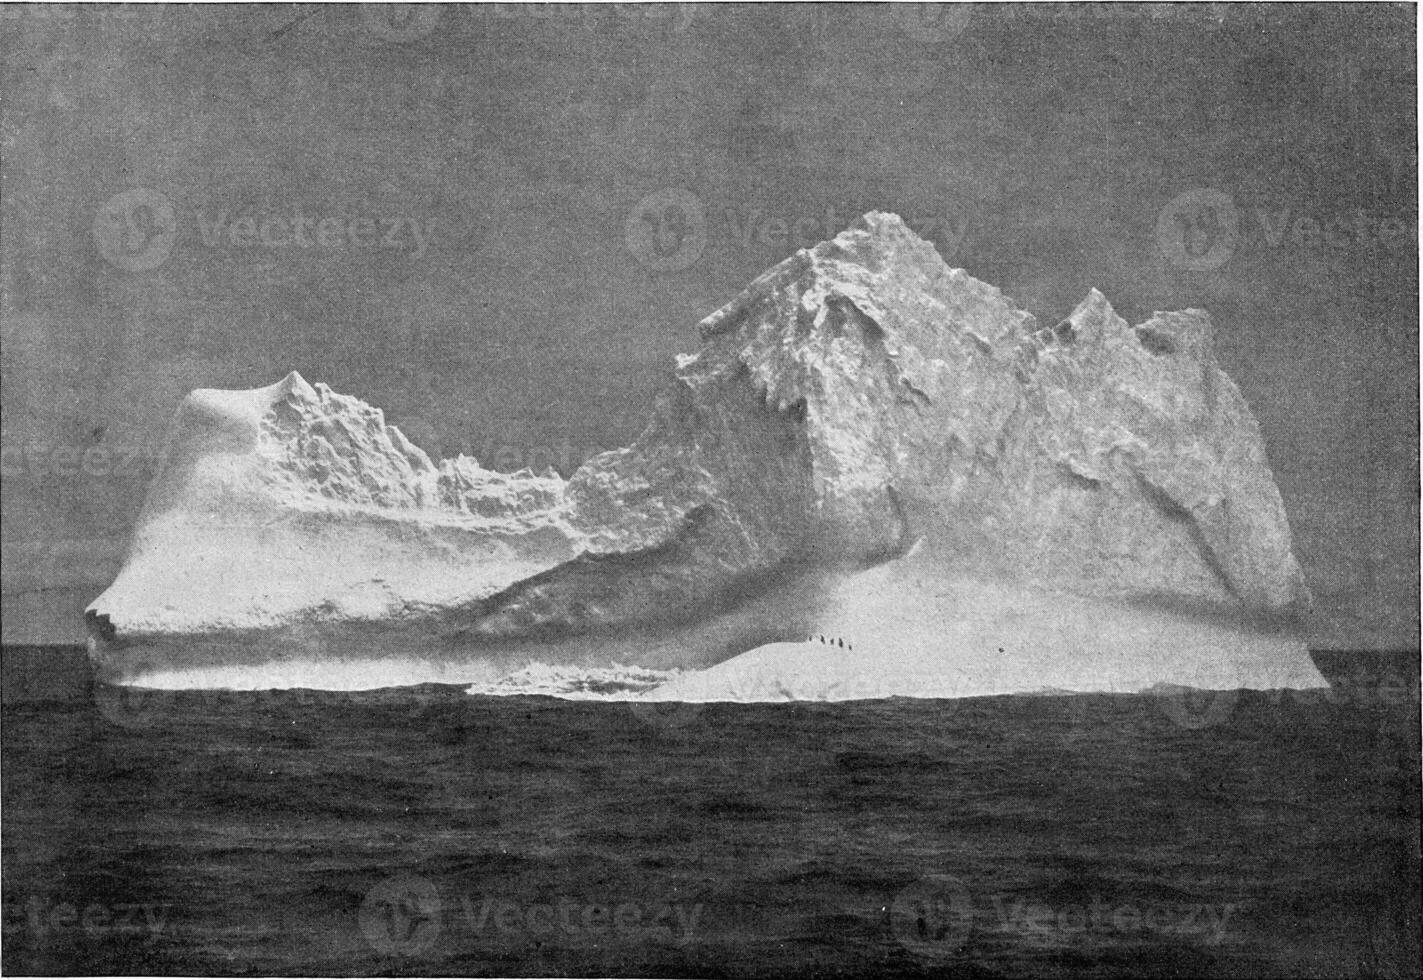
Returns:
(430, 831)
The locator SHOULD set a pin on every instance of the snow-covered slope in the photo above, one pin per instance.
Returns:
(291, 506)
(901, 630)
(856, 398)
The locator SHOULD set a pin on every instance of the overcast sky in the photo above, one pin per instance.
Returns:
(500, 226)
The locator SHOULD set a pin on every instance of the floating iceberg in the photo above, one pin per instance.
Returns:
(869, 444)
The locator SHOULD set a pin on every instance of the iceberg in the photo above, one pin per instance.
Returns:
(869, 444)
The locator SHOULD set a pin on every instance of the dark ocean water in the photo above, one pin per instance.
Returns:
(426, 831)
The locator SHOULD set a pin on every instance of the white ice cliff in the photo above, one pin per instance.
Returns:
(870, 444)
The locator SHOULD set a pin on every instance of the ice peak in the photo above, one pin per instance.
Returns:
(293, 385)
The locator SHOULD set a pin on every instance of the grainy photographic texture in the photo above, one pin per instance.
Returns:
(710, 490)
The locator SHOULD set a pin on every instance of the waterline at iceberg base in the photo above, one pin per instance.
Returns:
(870, 446)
